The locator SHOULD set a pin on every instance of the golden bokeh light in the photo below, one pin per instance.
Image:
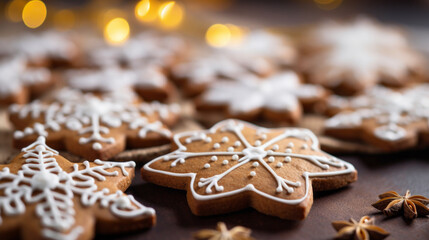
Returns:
(64, 19)
(142, 9)
(237, 34)
(13, 10)
(117, 31)
(218, 35)
(170, 14)
(146, 10)
(34, 13)
(328, 4)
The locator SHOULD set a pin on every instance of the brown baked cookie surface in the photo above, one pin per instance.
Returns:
(350, 57)
(280, 97)
(92, 126)
(235, 165)
(45, 196)
(19, 83)
(389, 119)
(149, 81)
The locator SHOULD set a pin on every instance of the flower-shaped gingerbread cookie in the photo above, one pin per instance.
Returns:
(44, 196)
(18, 82)
(353, 56)
(148, 81)
(277, 98)
(235, 165)
(385, 118)
(90, 126)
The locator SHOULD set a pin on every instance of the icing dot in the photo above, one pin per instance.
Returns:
(304, 146)
(271, 159)
(123, 202)
(230, 149)
(270, 152)
(18, 134)
(188, 140)
(216, 145)
(225, 162)
(166, 158)
(237, 144)
(213, 158)
(28, 131)
(288, 159)
(235, 157)
(207, 139)
(278, 190)
(252, 173)
(182, 161)
(263, 136)
(224, 140)
(279, 165)
(290, 145)
(82, 141)
(275, 147)
(206, 165)
(288, 150)
(97, 146)
(255, 164)
(258, 143)
(220, 189)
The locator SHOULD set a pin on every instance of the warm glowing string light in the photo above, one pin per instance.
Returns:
(64, 19)
(117, 31)
(218, 35)
(146, 10)
(13, 10)
(328, 4)
(34, 13)
(170, 14)
(237, 34)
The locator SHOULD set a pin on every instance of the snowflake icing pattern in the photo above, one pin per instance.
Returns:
(90, 115)
(234, 152)
(393, 111)
(43, 181)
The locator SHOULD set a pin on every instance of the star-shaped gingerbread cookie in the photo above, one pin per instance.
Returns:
(45, 196)
(92, 126)
(385, 118)
(235, 165)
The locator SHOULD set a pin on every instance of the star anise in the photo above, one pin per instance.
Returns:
(391, 203)
(222, 233)
(362, 230)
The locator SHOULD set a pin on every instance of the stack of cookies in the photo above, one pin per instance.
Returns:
(95, 102)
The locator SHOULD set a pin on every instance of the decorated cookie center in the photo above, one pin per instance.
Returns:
(43, 180)
(254, 153)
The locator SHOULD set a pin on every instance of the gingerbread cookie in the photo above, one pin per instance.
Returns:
(389, 119)
(45, 196)
(235, 165)
(90, 126)
(148, 81)
(142, 49)
(48, 49)
(353, 56)
(258, 45)
(196, 74)
(19, 83)
(277, 98)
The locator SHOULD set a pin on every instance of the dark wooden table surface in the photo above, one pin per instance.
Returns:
(377, 174)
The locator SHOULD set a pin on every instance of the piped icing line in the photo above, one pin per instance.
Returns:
(257, 154)
(43, 182)
(88, 114)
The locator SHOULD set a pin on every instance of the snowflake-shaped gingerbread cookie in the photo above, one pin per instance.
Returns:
(353, 56)
(388, 119)
(44, 196)
(278, 98)
(148, 81)
(18, 83)
(91, 126)
(235, 165)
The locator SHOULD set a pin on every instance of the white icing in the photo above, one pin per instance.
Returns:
(393, 110)
(113, 78)
(360, 51)
(255, 156)
(88, 114)
(14, 75)
(280, 92)
(42, 181)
